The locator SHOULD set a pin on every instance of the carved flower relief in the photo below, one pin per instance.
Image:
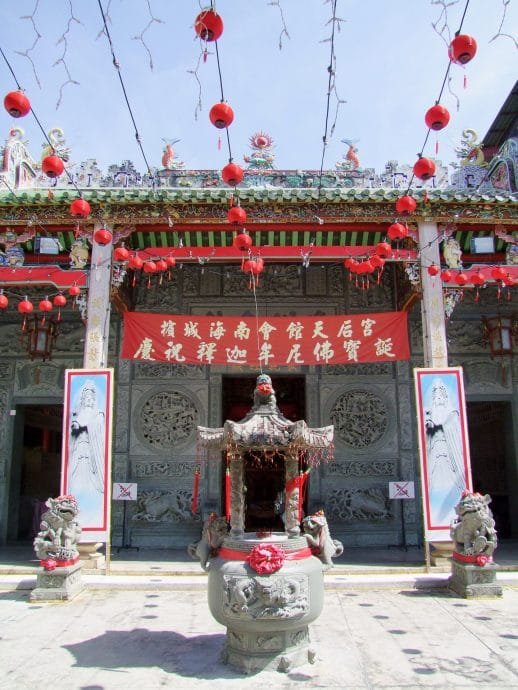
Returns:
(360, 418)
(167, 418)
(266, 558)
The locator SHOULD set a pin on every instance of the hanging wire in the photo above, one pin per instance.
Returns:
(117, 67)
(70, 177)
(444, 81)
(331, 72)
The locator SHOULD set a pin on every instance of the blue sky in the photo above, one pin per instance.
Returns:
(390, 67)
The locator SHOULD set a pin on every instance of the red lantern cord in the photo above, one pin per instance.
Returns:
(228, 493)
(194, 503)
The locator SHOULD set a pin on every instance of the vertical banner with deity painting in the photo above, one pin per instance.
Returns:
(86, 456)
(443, 446)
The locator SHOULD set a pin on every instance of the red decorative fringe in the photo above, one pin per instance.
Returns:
(194, 503)
(227, 495)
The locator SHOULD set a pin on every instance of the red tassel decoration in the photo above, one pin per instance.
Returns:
(219, 143)
(301, 497)
(194, 503)
(228, 494)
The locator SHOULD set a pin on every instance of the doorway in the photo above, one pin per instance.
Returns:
(491, 443)
(263, 473)
(35, 469)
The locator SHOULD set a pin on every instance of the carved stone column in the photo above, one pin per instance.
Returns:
(432, 306)
(291, 509)
(237, 499)
(98, 308)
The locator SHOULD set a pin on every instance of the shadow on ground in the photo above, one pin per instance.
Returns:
(192, 657)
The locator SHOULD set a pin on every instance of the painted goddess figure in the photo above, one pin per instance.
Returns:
(446, 478)
(87, 439)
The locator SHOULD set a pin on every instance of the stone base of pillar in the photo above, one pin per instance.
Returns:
(61, 584)
(473, 581)
(441, 552)
(89, 556)
(282, 650)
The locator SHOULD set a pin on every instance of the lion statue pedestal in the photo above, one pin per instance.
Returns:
(473, 572)
(59, 578)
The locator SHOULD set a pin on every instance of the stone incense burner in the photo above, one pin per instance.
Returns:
(267, 587)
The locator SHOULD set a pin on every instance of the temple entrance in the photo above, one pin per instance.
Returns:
(264, 476)
(492, 460)
(35, 469)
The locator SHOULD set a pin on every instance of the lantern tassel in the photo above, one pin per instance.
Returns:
(194, 503)
(228, 494)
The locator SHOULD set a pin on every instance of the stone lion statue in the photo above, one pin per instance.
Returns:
(215, 529)
(316, 531)
(473, 530)
(59, 530)
(264, 393)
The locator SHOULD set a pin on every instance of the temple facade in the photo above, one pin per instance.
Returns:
(303, 226)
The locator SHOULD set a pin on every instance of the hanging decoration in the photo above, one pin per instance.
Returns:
(397, 231)
(437, 117)
(195, 490)
(228, 494)
(17, 104)
(103, 236)
(52, 166)
(4, 301)
(208, 25)
(424, 168)
(462, 49)
(121, 254)
(80, 208)
(59, 301)
(221, 115)
(236, 215)
(242, 241)
(406, 205)
(232, 174)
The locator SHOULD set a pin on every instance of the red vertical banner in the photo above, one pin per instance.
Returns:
(228, 495)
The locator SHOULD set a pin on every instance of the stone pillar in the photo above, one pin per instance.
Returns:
(95, 354)
(291, 501)
(432, 306)
(237, 499)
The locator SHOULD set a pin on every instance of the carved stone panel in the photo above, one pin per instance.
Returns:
(275, 597)
(362, 468)
(358, 505)
(166, 418)
(360, 418)
(158, 505)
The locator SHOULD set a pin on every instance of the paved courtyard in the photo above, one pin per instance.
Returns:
(107, 639)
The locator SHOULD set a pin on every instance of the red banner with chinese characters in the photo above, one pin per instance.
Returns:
(266, 341)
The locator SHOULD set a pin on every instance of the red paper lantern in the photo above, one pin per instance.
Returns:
(433, 270)
(461, 278)
(437, 117)
(121, 254)
(4, 302)
(242, 241)
(383, 249)
(25, 307)
(446, 276)
(102, 236)
(80, 208)
(254, 266)
(161, 266)
(52, 166)
(236, 215)
(232, 174)
(45, 305)
(478, 278)
(221, 115)
(498, 273)
(135, 263)
(74, 290)
(170, 261)
(377, 261)
(60, 301)
(208, 25)
(349, 262)
(17, 104)
(150, 267)
(406, 205)
(397, 231)
(367, 266)
(462, 49)
(424, 168)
